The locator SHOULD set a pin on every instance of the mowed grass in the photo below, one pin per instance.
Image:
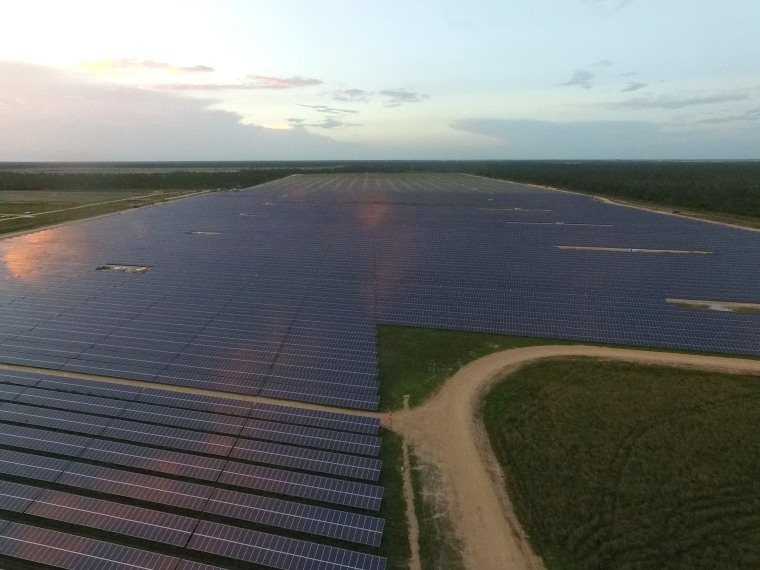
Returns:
(27, 210)
(614, 465)
(417, 361)
(395, 546)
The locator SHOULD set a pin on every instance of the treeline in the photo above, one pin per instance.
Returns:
(721, 187)
(730, 187)
(173, 180)
(727, 187)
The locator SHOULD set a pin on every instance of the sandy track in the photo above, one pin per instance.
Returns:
(446, 431)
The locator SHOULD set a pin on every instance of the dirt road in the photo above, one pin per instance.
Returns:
(446, 432)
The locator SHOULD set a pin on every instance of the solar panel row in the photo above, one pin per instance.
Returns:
(307, 459)
(277, 551)
(113, 517)
(176, 530)
(234, 504)
(63, 550)
(112, 395)
(172, 438)
(255, 477)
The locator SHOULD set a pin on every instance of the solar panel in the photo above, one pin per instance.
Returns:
(188, 565)
(153, 459)
(304, 485)
(74, 402)
(196, 420)
(140, 486)
(30, 466)
(307, 459)
(72, 552)
(196, 402)
(56, 419)
(320, 521)
(277, 551)
(316, 418)
(42, 440)
(90, 387)
(312, 437)
(9, 393)
(320, 396)
(16, 377)
(16, 497)
(174, 438)
(128, 520)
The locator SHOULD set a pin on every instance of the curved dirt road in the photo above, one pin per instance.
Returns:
(446, 432)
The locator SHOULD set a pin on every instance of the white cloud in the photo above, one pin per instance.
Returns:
(54, 115)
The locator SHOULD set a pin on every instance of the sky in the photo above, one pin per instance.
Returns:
(392, 79)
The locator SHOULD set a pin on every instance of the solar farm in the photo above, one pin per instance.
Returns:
(201, 317)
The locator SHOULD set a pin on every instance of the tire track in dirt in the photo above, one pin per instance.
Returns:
(447, 432)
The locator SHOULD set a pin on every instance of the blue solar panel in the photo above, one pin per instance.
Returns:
(304, 485)
(307, 459)
(56, 419)
(320, 521)
(72, 552)
(153, 459)
(174, 438)
(114, 517)
(277, 551)
(16, 497)
(42, 440)
(30, 466)
(311, 437)
(316, 418)
(139, 486)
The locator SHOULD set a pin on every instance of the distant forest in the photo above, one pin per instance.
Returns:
(727, 187)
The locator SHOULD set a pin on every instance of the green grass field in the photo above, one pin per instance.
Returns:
(614, 465)
(395, 545)
(417, 361)
(27, 210)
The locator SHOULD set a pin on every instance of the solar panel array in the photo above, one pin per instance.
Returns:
(283, 302)
(71, 461)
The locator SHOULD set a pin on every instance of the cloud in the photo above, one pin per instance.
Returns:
(205, 86)
(333, 119)
(619, 140)
(53, 115)
(329, 122)
(351, 95)
(633, 86)
(751, 115)
(329, 110)
(397, 97)
(580, 78)
(254, 82)
(106, 65)
(670, 102)
(265, 82)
